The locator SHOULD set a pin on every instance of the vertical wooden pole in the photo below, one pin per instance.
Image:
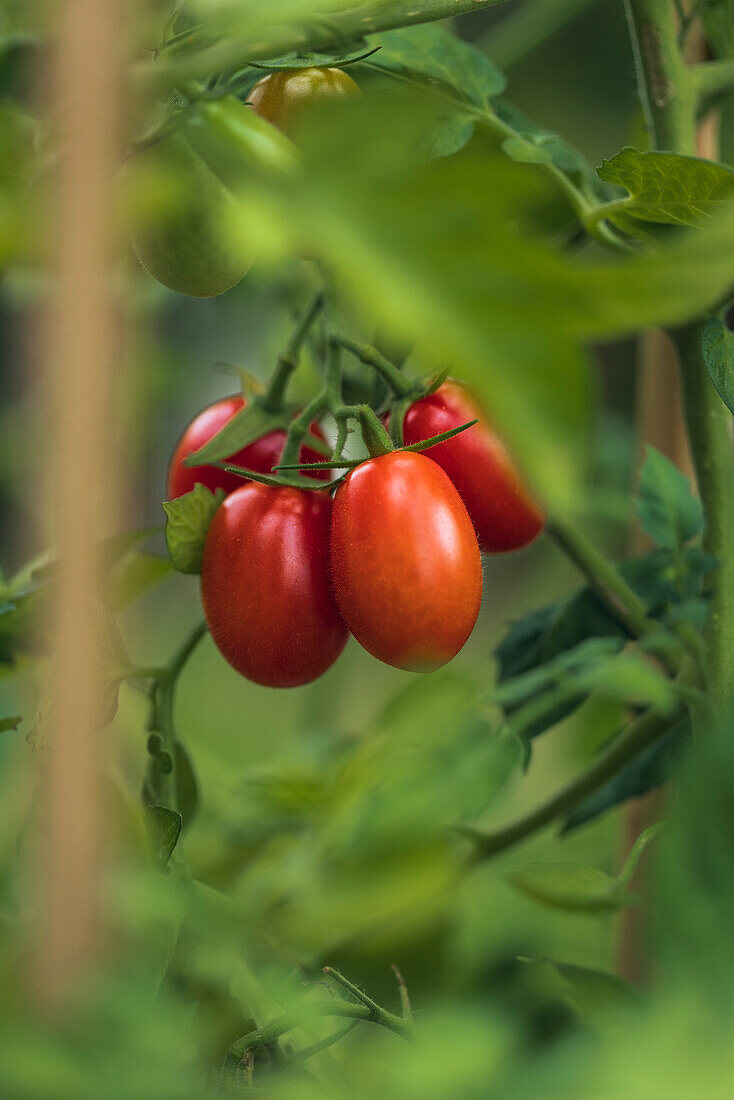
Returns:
(79, 357)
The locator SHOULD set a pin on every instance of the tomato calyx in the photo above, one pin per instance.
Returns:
(350, 464)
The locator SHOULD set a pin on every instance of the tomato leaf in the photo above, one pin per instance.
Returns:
(430, 54)
(648, 771)
(10, 723)
(668, 188)
(594, 994)
(187, 522)
(668, 511)
(571, 886)
(164, 829)
(134, 575)
(718, 354)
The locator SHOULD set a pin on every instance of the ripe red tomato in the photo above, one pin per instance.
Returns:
(405, 562)
(504, 514)
(281, 97)
(260, 455)
(265, 585)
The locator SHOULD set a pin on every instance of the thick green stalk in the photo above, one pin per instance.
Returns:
(709, 423)
(667, 88)
(669, 91)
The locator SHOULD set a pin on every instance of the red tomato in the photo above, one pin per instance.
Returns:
(405, 562)
(504, 514)
(265, 585)
(260, 456)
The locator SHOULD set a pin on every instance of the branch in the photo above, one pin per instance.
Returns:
(708, 422)
(667, 91)
(353, 22)
(640, 733)
(609, 585)
(712, 78)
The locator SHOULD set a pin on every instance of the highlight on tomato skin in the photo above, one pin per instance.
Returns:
(260, 455)
(406, 568)
(265, 585)
(281, 97)
(504, 514)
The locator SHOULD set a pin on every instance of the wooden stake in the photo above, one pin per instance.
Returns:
(78, 361)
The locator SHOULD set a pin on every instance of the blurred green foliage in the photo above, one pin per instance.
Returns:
(323, 834)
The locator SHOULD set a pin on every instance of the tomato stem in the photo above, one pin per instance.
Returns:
(371, 357)
(289, 357)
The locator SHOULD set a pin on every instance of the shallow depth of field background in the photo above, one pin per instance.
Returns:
(458, 953)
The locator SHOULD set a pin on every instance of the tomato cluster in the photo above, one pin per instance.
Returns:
(393, 558)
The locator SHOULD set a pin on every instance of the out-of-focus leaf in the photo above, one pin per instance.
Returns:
(571, 886)
(429, 53)
(187, 522)
(653, 767)
(718, 354)
(134, 575)
(717, 17)
(669, 188)
(594, 994)
(10, 723)
(110, 656)
(667, 508)
(164, 827)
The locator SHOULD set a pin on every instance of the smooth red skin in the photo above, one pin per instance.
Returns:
(504, 514)
(281, 97)
(260, 456)
(265, 585)
(405, 563)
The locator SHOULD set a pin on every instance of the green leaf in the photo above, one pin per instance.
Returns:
(428, 53)
(594, 994)
(571, 886)
(718, 353)
(321, 59)
(134, 575)
(668, 188)
(648, 771)
(531, 137)
(668, 511)
(164, 829)
(10, 723)
(249, 424)
(187, 522)
(628, 679)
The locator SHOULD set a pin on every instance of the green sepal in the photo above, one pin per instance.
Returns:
(424, 444)
(187, 522)
(250, 423)
(280, 482)
(350, 463)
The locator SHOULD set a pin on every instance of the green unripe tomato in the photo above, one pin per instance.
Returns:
(282, 96)
(189, 245)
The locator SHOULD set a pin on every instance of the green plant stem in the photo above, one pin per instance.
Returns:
(666, 86)
(608, 584)
(162, 696)
(641, 732)
(289, 1021)
(712, 78)
(371, 357)
(670, 93)
(288, 359)
(708, 422)
(276, 37)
